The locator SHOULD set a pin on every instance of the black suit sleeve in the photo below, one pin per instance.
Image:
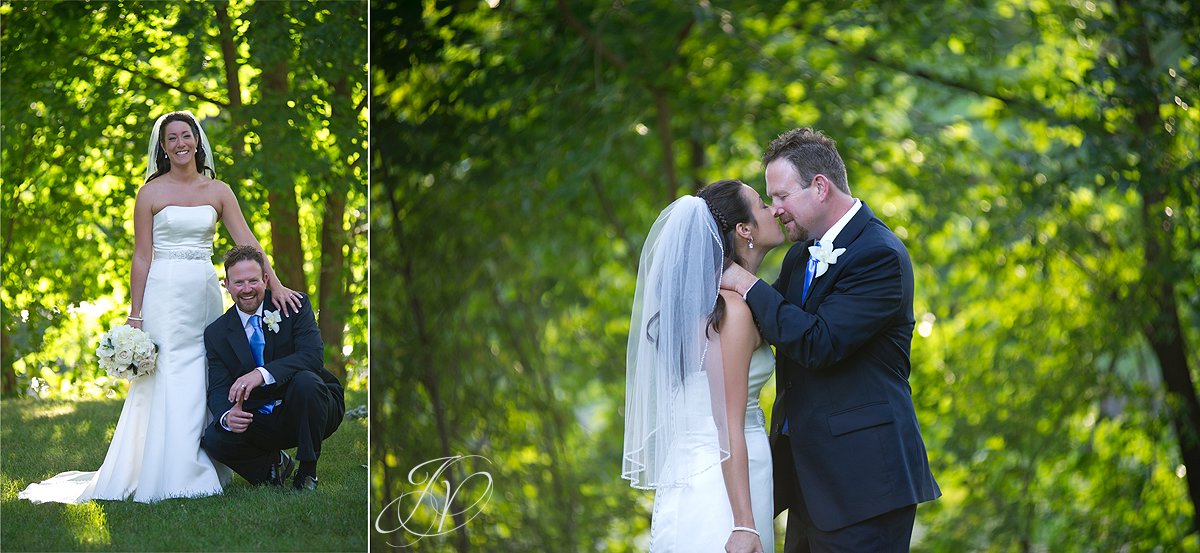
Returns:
(219, 377)
(866, 297)
(309, 351)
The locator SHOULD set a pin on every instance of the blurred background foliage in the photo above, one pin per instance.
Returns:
(281, 91)
(1038, 159)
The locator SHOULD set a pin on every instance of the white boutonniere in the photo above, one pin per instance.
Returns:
(271, 319)
(825, 256)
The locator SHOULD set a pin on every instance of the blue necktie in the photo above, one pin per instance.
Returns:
(257, 343)
(808, 276)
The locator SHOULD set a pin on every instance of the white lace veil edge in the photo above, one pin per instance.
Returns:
(675, 419)
(151, 159)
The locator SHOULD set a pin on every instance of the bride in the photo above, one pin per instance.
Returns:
(694, 430)
(155, 451)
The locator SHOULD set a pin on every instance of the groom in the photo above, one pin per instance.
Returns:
(267, 387)
(850, 463)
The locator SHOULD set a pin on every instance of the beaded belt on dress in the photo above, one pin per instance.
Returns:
(199, 254)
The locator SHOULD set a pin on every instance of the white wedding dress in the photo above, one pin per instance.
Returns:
(697, 518)
(155, 452)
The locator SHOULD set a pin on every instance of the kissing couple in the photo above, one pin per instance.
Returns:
(845, 456)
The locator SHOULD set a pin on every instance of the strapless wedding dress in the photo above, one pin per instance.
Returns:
(697, 518)
(155, 452)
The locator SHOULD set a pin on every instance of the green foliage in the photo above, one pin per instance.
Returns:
(83, 83)
(76, 435)
(528, 148)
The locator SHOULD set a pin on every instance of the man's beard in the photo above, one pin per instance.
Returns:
(249, 305)
(796, 233)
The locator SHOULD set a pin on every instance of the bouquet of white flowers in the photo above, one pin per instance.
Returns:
(127, 352)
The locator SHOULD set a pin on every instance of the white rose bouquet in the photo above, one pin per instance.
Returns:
(127, 352)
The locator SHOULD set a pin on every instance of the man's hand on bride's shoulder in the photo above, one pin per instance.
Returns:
(737, 279)
(284, 297)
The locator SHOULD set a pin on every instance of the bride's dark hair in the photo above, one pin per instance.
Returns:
(162, 163)
(728, 207)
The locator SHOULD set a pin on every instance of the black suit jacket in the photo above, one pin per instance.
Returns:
(842, 366)
(296, 347)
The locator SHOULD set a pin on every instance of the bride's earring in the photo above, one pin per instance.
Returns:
(751, 241)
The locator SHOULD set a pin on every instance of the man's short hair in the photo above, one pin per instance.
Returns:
(810, 152)
(245, 253)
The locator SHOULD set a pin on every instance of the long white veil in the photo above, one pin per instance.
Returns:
(674, 383)
(151, 159)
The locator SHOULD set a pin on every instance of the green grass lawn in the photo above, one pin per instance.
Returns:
(39, 439)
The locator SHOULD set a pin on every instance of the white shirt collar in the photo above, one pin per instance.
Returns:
(837, 227)
(246, 316)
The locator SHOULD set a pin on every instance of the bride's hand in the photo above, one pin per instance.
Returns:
(743, 542)
(135, 324)
(282, 297)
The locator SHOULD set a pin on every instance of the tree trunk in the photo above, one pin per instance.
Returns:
(287, 257)
(233, 83)
(10, 373)
(331, 287)
(1163, 330)
(331, 280)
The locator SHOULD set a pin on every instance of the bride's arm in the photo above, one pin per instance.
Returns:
(738, 340)
(239, 230)
(143, 253)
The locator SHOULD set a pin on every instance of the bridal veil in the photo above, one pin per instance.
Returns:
(674, 385)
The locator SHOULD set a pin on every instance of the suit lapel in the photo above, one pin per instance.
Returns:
(268, 336)
(237, 339)
(854, 227)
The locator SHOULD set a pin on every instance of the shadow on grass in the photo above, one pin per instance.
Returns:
(43, 438)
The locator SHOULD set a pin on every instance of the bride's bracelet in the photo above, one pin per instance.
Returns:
(746, 529)
(132, 318)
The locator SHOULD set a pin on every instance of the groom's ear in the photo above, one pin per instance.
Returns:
(822, 183)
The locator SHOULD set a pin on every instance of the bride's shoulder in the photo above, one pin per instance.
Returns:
(737, 322)
(217, 185)
(736, 310)
(150, 192)
(219, 191)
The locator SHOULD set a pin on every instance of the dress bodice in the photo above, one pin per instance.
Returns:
(185, 232)
(698, 402)
(762, 366)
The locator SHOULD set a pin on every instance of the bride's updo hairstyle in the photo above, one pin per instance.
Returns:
(162, 162)
(728, 207)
